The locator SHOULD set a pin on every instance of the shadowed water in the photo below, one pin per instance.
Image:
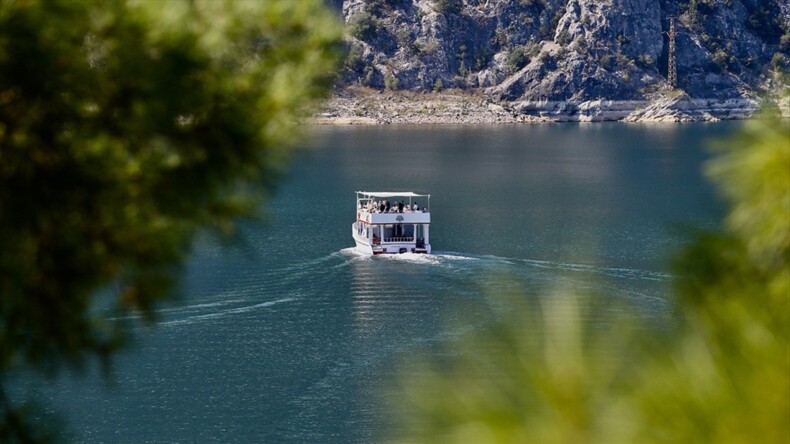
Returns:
(291, 336)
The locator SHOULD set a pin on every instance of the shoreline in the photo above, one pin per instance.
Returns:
(451, 107)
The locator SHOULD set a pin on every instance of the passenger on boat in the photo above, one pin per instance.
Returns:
(400, 207)
(382, 206)
(387, 205)
(414, 207)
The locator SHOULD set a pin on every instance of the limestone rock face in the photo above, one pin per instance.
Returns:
(565, 50)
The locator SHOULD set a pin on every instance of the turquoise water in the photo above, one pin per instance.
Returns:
(291, 336)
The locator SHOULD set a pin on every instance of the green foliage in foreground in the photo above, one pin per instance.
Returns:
(720, 372)
(125, 126)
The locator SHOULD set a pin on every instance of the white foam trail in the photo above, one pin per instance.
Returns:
(437, 258)
(179, 309)
(454, 256)
(588, 268)
(351, 251)
(198, 306)
(597, 269)
(441, 257)
(412, 257)
(227, 312)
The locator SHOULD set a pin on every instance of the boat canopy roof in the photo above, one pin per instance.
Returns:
(385, 194)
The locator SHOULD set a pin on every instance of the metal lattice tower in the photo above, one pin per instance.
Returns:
(672, 73)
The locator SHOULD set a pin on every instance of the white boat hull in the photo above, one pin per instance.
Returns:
(364, 247)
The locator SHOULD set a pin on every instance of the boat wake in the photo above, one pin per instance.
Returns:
(450, 258)
(227, 312)
(397, 276)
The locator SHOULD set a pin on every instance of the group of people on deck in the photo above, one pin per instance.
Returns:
(385, 206)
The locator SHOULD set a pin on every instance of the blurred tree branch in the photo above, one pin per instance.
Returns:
(125, 126)
(718, 373)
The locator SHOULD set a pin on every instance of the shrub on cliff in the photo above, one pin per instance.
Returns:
(516, 59)
(363, 26)
(447, 6)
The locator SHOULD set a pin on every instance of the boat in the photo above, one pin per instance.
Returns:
(392, 222)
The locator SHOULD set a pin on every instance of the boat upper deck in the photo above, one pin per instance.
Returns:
(410, 216)
(393, 207)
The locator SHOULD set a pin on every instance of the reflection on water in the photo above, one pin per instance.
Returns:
(291, 338)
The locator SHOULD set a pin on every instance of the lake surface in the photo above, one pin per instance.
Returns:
(291, 337)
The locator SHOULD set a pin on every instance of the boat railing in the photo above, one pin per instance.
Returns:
(399, 239)
(394, 210)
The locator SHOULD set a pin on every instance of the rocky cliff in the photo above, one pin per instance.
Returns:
(562, 56)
